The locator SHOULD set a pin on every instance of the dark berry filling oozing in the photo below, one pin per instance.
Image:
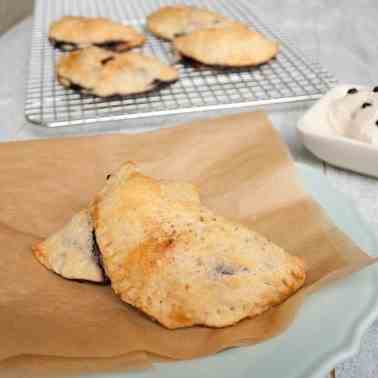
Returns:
(64, 46)
(76, 87)
(98, 257)
(114, 45)
(107, 60)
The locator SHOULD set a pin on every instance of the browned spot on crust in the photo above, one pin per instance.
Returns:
(148, 254)
(178, 316)
(39, 254)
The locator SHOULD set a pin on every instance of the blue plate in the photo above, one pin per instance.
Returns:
(328, 328)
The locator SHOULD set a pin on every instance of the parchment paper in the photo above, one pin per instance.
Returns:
(243, 171)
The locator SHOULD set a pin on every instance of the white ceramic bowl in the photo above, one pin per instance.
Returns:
(317, 135)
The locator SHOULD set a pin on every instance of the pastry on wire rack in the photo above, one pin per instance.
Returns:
(232, 45)
(169, 22)
(103, 73)
(74, 32)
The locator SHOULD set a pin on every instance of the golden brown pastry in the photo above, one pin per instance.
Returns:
(73, 32)
(233, 45)
(171, 257)
(169, 22)
(71, 251)
(104, 73)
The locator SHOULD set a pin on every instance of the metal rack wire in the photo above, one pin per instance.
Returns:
(291, 77)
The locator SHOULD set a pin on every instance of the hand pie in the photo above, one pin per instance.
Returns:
(103, 73)
(172, 21)
(71, 252)
(72, 32)
(231, 46)
(171, 257)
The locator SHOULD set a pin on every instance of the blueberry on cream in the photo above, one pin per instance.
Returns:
(354, 115)
(366, 104)
(352, 91)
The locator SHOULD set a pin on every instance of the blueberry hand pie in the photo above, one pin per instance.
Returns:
(71, 252)
(104, 73)
(171, 257)
(172, 21)
(233, 45)
(72, 32)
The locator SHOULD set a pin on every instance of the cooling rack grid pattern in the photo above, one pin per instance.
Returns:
(292, 77)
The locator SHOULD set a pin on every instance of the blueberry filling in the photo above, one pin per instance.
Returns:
(113, 45)
(157, 83)
(110, 45)
(64, 46)
(180, 34)
(225, 270)
(352, 91)
(76, 87)
(365, 105)
(376, 123)
(98, 257)
(107, 60)
(89, 91)
(375, 89)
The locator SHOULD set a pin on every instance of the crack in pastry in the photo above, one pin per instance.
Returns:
(71, 252)
(233, 45)
(172, 21)
(98, 257)
(174, 259)
(106, 74)
(216, 69)
(73, 32)
(64, 46)
(116, 46)
(229, 270)
(77, 87)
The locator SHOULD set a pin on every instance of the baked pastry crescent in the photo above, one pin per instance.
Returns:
(104, 73)
(71, 251)
(73, 32)
(172, 21)
(231, 46)
(171, 257)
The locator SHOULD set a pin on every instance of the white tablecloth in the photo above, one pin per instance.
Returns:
(342, 34)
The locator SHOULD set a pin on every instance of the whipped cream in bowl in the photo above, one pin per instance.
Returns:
(355, 115)
(342, 128)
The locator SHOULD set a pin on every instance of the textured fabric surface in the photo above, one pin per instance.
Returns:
(341, 34)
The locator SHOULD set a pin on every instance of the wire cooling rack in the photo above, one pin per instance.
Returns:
(291, 77)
